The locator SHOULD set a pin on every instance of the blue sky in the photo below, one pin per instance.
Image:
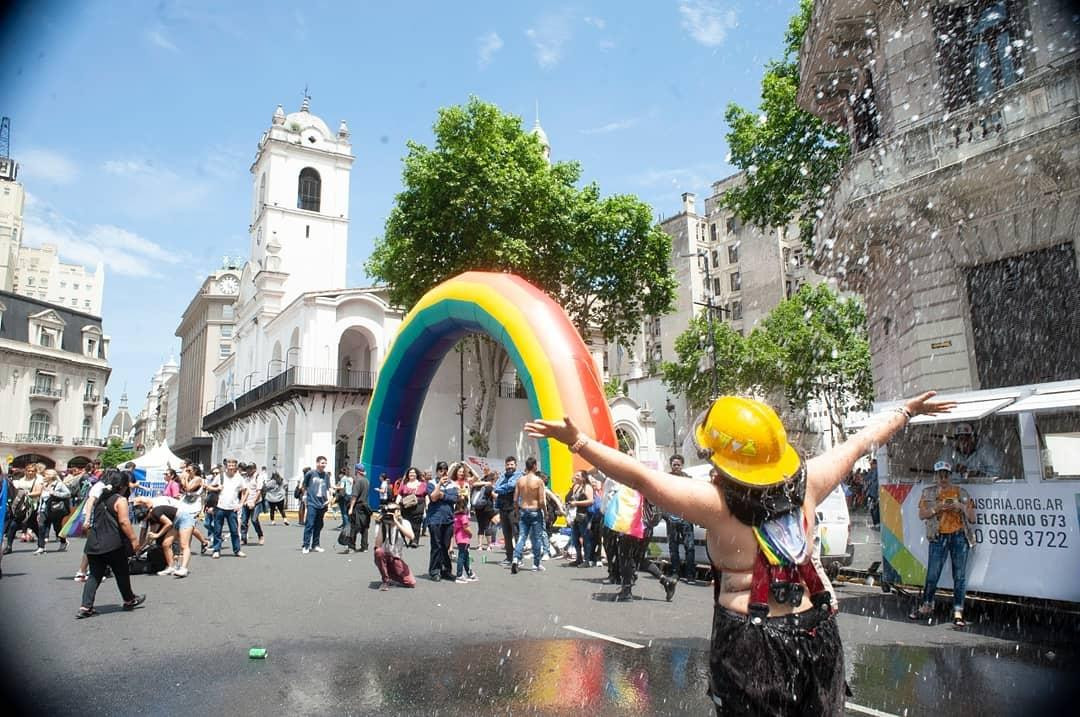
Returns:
(135, 123)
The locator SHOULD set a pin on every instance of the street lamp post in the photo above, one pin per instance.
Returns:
(461, 400)
(669, 406)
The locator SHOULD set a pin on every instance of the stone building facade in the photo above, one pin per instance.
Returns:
(53, 371)
(957, 214)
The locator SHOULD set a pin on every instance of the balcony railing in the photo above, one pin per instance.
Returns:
(94, 398)
(292, 381)
(44, 438)
(45, 392)
(96, 442)
(512, 390)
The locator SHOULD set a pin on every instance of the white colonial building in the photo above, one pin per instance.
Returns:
(53, 370)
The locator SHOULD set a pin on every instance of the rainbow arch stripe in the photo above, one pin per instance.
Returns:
(553, 363)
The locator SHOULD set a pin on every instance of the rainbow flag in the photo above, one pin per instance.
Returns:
(75, 525)
(3, 502)
(624, 512)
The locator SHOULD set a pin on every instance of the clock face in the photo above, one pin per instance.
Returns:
(229, 285)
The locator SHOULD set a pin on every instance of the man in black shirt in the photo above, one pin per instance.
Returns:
(359, 508)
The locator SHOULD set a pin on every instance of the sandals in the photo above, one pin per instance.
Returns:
(958, 622)
(85, 612)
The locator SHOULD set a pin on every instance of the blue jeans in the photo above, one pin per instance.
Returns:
(532, 527)
(250, 515)
(956, 546)
(580, 532)
(220, 516)
(681, 540)
(463, 565)
(313, 523)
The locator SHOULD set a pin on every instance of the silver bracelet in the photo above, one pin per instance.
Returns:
(579, 444)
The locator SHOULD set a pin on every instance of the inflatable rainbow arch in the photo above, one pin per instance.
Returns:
(553, 364)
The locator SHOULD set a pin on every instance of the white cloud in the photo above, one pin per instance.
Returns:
(487, 46)
(707, 21)
(680, 178)
(157, 37)
(46, 165)
(612, 126)
(123, 252)
(597, 22)
(549, 37)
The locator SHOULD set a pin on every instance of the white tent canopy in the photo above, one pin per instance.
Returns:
(156, 460)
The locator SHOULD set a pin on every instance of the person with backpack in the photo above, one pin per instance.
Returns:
(23, 507)
(7, 490)
(109, 542)
(483, 505)
(53, 508)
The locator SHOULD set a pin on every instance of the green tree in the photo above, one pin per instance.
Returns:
(115, 454)
(814, 346)
(790, 157)
(691, 375)
(485, 198)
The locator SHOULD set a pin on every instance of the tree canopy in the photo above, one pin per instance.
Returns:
(790, 157)
(485, 198)
(114, 454)
(811, 346)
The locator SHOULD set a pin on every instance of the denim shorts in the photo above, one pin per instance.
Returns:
(184, 520)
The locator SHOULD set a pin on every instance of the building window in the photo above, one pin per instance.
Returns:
(86, 303)
(716, 286)
(87, 426)
(224, 350)
(43, 382)
(226, 331)
(787, 288)
(307, 231)
(90, 386)
(46, 338)
(980, 48)
(63, 284)
(866, 115)
(75, 287)
(227, 311)
(736, 311)
(712, 232)
(733, 253)
(39, 425)
(29, 281)
(310, 190)
(732, 225)
(736, 281)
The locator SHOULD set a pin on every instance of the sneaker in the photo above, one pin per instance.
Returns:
(624, 595)
(274, 522)
(514, 567)
(538, 568)
(241, 554)
(461, 580)
(319, 549)
(669, 588)
(216, 555)
(39, 551)
(305, 551)
(243, 541)
(80, 577)
(262, 541)
(63, 547)
(134, 602)
(180, 573)
(472, 578)
(203, 549)
(384, 586)
(286, 522)
(167, 571)
(504, 563)
(546, 557)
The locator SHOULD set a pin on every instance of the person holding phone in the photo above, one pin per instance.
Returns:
(949, 513)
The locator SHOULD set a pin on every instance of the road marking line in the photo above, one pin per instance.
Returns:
(868, 710)
(602, 636)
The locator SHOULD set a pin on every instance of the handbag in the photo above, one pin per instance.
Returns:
(410, 501)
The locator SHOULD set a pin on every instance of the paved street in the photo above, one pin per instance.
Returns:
(335, 643)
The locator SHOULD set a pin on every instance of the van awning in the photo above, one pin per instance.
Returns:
(1048, 401)
(966, 411)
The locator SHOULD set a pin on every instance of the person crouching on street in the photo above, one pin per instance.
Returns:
(391, 537)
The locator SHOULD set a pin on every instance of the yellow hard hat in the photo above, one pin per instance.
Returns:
(746, 440)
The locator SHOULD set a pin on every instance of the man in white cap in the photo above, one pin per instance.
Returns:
(969, 456)
(949, 513)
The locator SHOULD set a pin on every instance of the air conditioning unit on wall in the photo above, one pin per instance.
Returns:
(8, 168)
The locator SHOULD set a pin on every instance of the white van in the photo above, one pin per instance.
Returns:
(832, 543)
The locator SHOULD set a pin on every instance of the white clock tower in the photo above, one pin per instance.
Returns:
(300, 214)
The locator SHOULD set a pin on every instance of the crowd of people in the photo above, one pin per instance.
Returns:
(458, 510)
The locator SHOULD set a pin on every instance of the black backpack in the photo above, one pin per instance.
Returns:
(148, 561)
(21, 509)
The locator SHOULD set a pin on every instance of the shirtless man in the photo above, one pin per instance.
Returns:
(779, 651)
(530, 496)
